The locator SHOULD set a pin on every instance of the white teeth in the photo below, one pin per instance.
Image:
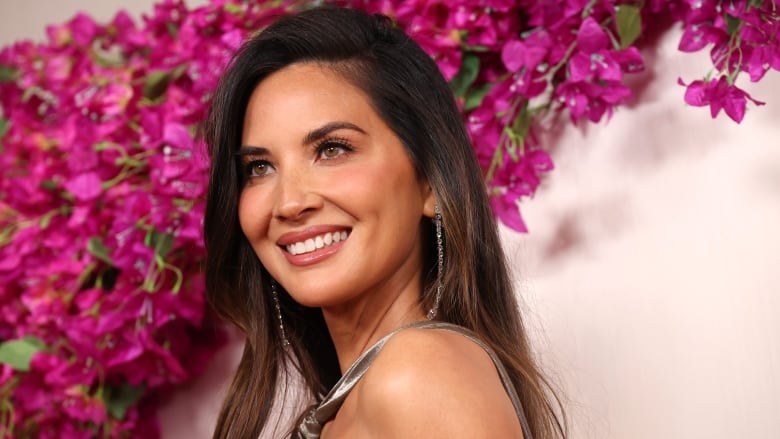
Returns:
(316, 243)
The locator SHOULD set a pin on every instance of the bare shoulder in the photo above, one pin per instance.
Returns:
(434, 383)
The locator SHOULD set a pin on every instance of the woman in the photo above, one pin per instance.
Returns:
(349, 236)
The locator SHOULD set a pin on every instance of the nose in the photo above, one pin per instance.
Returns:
(296, 196)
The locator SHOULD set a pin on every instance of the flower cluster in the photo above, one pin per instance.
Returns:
(744, 36)
(101, 292)
(515, 63)
(102, 302)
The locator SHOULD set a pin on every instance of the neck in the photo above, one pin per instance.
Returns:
(356, 326)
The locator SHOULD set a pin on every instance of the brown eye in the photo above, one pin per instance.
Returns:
(257, 168)
(331, 150)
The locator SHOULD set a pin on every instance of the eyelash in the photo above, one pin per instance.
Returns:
(249, 166)
(320, 148)
(342, 144)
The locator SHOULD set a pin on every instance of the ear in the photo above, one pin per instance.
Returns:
(429, 201)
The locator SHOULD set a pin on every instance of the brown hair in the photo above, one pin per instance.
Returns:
(407, 90)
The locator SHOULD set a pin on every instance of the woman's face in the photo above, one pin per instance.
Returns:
(332, 204)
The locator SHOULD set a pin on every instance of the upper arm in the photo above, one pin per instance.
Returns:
(430, 383)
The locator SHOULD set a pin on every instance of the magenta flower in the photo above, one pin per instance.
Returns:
(514, 180)
(718, 94)
(529, 54)
(594, 84)
(697, 36)
(85, 187)
(82, 406)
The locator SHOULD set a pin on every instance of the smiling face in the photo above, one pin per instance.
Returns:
(332, 204)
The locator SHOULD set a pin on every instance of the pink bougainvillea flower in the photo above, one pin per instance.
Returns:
(505, 207)
(591, 37)
(83, 406)
(516, 54)
(594, 85)
(587, 67)
(718, 94)
(85, 187)
(591, 100)
(629, 59)
(762, 59)
(114, 99)
(516, 179)
(697, 36)
(713, 31)
(84, 29)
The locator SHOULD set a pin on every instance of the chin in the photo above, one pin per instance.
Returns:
(316, 297)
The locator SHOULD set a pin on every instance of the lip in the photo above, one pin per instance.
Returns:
(307, 233)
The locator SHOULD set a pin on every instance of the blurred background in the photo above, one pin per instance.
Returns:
(650, 277)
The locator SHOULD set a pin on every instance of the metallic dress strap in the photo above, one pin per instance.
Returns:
(311, 427)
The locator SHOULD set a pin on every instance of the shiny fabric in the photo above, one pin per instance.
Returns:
(311, 426)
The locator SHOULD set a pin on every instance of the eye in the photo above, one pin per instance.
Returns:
(332, 149)
(257, 168)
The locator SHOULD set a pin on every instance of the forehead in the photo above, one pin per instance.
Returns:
(306, 95)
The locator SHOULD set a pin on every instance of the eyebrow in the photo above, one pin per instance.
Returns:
(311, 137)
(251, 150)
(321, 132)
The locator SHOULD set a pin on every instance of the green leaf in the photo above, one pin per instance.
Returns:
(475, 96)
(233, 8)
(98, 250)
(6, 234)
(18, 353)
(172, 29)
(8, 73)
(46, 219)
(629, 24)
(111, 57)
(160, 242)
(156, 83)
(185, 206)
(119, 399)
(469, 69)
(4, 125)
(101, 146)
(49, 185)
(522, 123)
(732, 24)
(475, 48)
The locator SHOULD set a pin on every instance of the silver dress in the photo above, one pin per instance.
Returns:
(311, 427)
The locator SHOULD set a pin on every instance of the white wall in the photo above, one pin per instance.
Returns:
(650, 275)
(652, 264)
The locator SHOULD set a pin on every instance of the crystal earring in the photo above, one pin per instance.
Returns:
(439, 261)
(275, 297)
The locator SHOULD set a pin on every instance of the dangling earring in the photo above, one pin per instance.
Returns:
(275, 297)
(439, 261)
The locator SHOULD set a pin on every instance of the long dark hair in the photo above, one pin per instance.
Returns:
(409, 93)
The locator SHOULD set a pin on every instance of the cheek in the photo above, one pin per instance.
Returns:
(350, 187)
(251, 217)
(391, 201)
